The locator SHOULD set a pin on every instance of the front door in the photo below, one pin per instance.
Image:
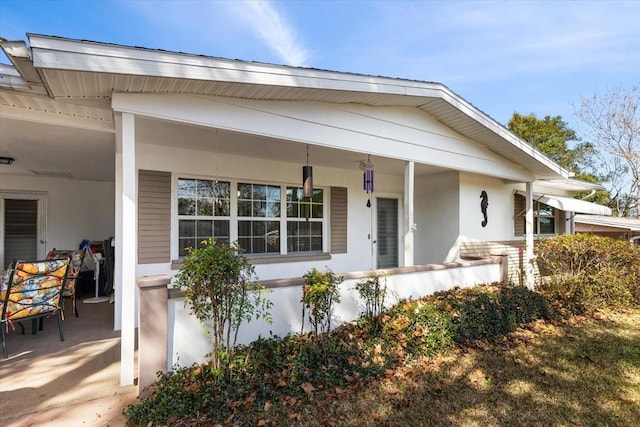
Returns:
(387, 233)
(22, 227)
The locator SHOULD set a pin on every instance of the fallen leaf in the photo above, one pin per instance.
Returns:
(192, 387)
(267, 405)
(308, 388)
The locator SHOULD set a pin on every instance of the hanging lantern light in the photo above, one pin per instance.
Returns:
(368, 179)
(307, 178)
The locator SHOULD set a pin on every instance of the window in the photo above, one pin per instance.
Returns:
(546, 219)
(259, 218)
(304, 220)
(264, 219)
(203, 212)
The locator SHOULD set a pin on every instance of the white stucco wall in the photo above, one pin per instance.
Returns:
(499, 212)
(188, 343)
(209, 165)
(76, 209)
(437, 210)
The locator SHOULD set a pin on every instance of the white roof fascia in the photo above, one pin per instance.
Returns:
(569, 204)
(68, 54)
(77, 55)
(10, 78)
(20, 56)
(468, 109)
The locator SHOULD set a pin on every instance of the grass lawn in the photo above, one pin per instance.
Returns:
(584, 372)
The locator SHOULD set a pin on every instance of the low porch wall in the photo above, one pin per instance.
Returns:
(184, 341)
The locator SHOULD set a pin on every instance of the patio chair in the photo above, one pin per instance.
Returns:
(32, 290)
(77, 258)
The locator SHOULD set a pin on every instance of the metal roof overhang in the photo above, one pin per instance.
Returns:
(569, 204)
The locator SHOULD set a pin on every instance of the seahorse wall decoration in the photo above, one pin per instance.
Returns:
(484, 204)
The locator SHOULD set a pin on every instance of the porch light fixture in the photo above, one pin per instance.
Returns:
(6, 160)
(307, 178)
(368, 178)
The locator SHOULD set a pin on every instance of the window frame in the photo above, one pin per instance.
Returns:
(234, 218)
(213, 217)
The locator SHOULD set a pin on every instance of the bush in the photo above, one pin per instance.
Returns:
(373, 293)
(319, 293)
(590, 272)
(486, 312)
(278, 372)
(221, 292)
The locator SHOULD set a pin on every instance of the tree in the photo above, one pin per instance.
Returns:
(613, 126)
(552, 136)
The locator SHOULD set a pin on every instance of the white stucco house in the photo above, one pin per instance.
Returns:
(162, 149)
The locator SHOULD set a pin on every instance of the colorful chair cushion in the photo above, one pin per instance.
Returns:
(32, 290)
(35, 288)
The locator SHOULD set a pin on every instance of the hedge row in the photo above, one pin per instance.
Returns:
(589, 272)
(273, 371)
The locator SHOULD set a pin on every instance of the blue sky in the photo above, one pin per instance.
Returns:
(527, 56)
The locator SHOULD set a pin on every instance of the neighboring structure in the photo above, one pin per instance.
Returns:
(162, 149)
(615, 227)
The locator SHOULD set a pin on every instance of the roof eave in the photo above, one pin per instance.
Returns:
(85, 56)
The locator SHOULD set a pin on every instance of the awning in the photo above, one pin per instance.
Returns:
(569, 204)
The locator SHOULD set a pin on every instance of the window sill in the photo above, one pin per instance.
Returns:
(271, 259)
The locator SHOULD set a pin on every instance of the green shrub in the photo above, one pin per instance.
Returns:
(222, 293)
(298, 368)
(588, 272)
(319, 293)
(373, 293)
(486, 312)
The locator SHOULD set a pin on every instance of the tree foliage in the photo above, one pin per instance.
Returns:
(552, 136)
(612, 123)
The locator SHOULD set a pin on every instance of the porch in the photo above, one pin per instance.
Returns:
(45, 381)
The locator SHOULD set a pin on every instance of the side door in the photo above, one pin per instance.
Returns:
(22, 226)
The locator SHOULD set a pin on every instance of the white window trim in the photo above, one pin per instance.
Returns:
(234, 218)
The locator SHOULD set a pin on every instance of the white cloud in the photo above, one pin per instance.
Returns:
(273, 29)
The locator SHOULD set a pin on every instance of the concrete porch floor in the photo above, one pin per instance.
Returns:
(46, 382)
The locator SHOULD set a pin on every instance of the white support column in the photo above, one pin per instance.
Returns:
(126, 242)
(571, 229)
(528, 258)
(409, 225)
